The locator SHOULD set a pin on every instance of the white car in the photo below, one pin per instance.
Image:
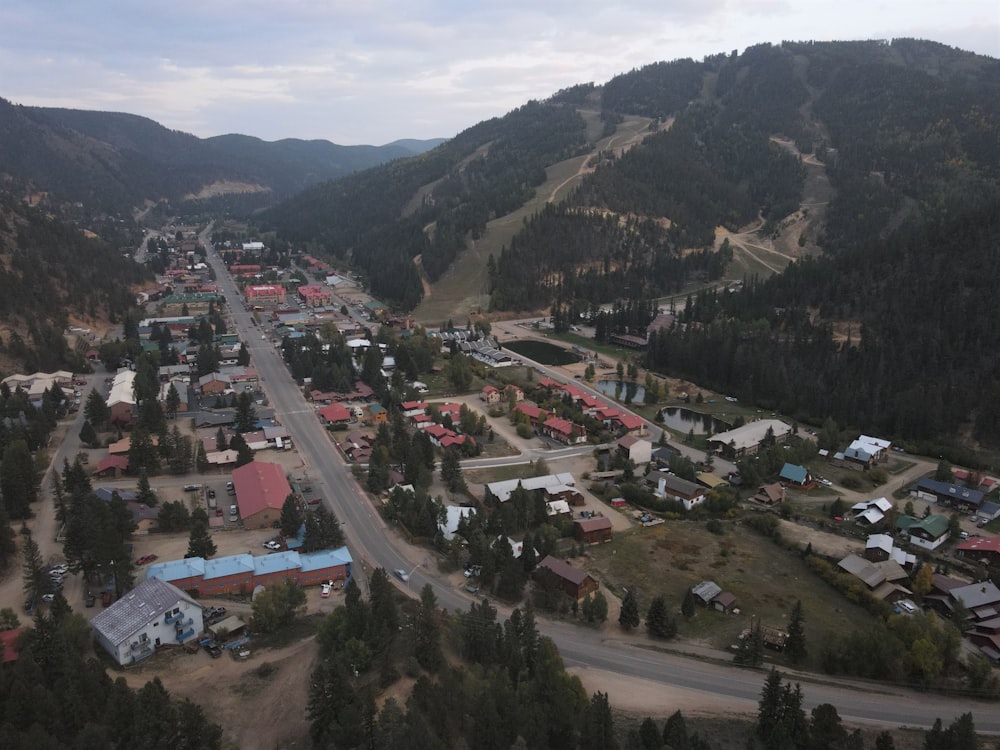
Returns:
(272, 545)
(325, 590)
(401, 574)
(59, 570)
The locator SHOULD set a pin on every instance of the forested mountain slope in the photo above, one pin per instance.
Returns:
(902, 129)
(114, 162)
(51, 273)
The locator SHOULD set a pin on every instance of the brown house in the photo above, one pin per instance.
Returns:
(574, 582)
(769, 494)
(595, 530)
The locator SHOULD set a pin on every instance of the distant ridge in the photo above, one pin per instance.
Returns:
(115, 161)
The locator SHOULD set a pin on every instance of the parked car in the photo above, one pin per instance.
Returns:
(325, 590)
(272, 545)
(61, 569)
(211, 494)
(89, 600)
(48, 598)
(213, 613)
(146, 559)
(214, 651)
(401, 574)
(29, 605)
(315, 501)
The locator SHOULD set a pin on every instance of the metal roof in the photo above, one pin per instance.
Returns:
(327, 558)
(176, 570)
(228, 566)
(140, 606)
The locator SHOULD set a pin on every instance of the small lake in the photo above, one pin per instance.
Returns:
(542, 352)
(631, 393)
(684, 420)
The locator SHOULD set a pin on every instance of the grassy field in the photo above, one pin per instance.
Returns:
(765, 578)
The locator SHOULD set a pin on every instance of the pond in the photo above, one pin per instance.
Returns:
(542, 352)
(684, 420)
(628, 392)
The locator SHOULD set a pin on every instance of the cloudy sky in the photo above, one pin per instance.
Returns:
(370, 71)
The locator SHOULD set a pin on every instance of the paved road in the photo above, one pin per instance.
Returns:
(372, 543)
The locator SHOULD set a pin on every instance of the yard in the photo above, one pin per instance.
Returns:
(765, 578)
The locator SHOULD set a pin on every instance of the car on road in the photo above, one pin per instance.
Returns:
(48, 598)
(325, 589)
(824, 481)
(211, 494)
(146, 559)
(401, 575)
(272, 545)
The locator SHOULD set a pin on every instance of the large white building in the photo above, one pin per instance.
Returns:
(154, 613)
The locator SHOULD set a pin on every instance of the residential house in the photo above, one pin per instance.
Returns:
(378, 414)
(884, 579)
(950, 495)
(710, 595)
(561, 485)
(412, 409)
(261, 490)
(872, 512)
(146, 519)
(513, 391)
(865, 452)
(214, 384)
(635, 449)
(710, 481)
(535, 414)
(334, 414)
(575, 583)
(672, 487)
(453, 515)
(564, 431)
(881, 547)
(112, 466)
(596, 530)
(797, 475)
(153, 614)
(747, 440)
(121, 400)
(985, 549)
(490, 395)
(928, 533)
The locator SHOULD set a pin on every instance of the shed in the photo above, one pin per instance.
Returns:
(595, 530)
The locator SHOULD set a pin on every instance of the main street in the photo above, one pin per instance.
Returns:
(373, 544)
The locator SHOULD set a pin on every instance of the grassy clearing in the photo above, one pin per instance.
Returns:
(766, 579)
(498, 473)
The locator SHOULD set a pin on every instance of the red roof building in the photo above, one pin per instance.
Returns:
(315, 296)
(261, 490)
(269, 293)
(334, 414)
(980, 548)
(564, 431)
(111, 466)
(489, 394)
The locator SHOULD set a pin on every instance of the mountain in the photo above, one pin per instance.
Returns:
(869, 170)
(115, 161)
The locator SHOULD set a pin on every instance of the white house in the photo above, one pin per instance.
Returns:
(636, 449)
(154, 613)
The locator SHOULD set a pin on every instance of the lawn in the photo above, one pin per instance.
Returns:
(765, 578)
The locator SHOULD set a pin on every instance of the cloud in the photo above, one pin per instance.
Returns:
(375, 71)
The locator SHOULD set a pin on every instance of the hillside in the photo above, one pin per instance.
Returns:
(763, 139)
(52, 276)
(114, 162)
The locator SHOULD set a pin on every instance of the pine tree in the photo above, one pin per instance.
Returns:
(658, 621)
(795, 647)
(599, 725)
(675, 734)
(628, 618)
(687, 605)
(88, 436)
(291, 517)
(33, 569)
(200, 542)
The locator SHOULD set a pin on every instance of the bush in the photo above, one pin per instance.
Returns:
(715, 527)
